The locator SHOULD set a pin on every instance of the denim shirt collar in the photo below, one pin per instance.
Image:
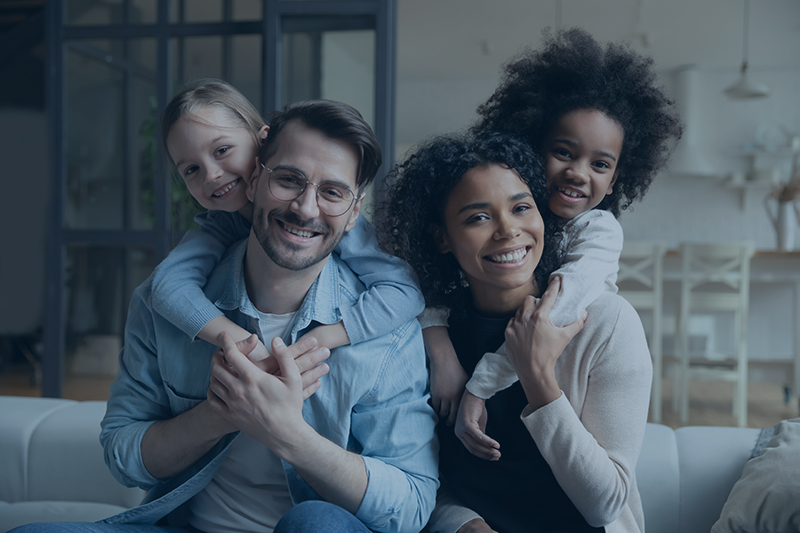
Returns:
(321, 303)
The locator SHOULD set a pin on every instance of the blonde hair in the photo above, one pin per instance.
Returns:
(210, 92)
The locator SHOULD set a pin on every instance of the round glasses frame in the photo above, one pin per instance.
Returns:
(282, 196)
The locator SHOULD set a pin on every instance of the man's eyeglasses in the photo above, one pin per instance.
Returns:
(333, 199)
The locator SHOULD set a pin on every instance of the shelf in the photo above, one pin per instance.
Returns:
(745, 186)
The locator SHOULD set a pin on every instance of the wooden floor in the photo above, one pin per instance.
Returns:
(15, 381)
(710, 404)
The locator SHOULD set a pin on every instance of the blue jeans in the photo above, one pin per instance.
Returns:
(316, 516)
(91, 527)
(308, 517)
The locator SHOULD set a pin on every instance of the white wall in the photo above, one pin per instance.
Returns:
(704, 208)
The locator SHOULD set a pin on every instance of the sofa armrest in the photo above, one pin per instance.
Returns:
(51, 451)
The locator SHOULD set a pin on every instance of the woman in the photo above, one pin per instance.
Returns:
(470, 217)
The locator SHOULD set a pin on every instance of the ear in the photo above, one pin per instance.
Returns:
(262, 134)
(440, 238)
(612, 182)
(252, 181)
(355, 213)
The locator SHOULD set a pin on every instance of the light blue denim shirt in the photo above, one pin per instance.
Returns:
(373, 402)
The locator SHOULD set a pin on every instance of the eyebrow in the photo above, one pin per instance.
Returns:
(211, 142)
(296, 170)
(483, 205)
(570, 142)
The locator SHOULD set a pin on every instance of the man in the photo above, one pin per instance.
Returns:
(360, 453)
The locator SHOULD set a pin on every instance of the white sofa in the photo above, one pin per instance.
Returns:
(51, 468)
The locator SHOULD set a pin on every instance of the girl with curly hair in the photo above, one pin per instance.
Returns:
(471, 217)
(605, 130)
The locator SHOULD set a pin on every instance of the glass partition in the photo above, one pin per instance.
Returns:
(109, 117)
(115, 207)
(100, 12)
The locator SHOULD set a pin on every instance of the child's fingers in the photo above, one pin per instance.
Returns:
(481, 438)
(479, 449)
(235, 360)
(247, 345)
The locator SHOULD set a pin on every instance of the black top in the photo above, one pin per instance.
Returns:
(518, 493)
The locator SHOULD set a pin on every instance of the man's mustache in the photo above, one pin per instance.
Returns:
(290, 218)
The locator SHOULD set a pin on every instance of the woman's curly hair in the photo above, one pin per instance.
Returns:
(574, 72)
(417, 198)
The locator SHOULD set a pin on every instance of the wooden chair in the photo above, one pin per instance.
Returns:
(714, 278)
(640, 281)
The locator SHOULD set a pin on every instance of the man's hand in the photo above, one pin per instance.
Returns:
(267, 407)
(470, 427)
(476, 525)
(308, 356)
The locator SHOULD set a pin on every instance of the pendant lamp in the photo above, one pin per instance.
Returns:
(745, 87)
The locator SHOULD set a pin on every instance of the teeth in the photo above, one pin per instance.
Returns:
(571, 194)
(226, 189)
(299, 233)
(512, 257)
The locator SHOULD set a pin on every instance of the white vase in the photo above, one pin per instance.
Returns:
(784, 221)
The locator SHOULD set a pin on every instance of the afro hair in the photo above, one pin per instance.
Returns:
(420, 189)
(571, 72)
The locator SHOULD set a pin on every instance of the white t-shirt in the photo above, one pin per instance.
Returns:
(249, 492)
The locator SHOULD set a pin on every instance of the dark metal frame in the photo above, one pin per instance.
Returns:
(58, 37)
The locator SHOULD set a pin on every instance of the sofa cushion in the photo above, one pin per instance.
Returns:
(19, 418)
(658, 478)
(766, 499)
(711, 460)
(20, 513)
(65, 448)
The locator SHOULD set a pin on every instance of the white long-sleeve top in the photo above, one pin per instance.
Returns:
(593, 244)
(591, 436)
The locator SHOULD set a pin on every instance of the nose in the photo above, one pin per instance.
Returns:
(305, 206)
(577, 171)
(213, 172)
(507, 228)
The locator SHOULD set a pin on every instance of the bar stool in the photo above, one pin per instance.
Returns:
(714, 278)
(640, 281)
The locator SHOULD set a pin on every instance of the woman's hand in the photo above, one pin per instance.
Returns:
(471, 426)
(447, 375)
(476, 525)
(534, 345)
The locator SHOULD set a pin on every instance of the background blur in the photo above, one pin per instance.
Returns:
(91, 208)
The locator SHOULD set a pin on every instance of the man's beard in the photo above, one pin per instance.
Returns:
(278, 252)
